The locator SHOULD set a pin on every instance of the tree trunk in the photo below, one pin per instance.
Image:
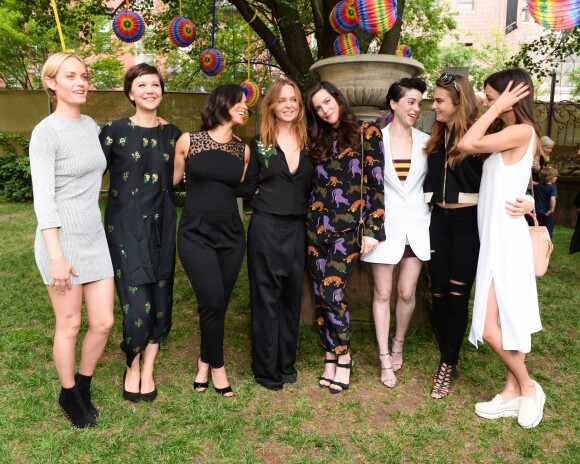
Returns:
(392, 36)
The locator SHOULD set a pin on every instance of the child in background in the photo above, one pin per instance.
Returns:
(545, 195)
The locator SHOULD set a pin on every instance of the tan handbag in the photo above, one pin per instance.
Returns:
(542, 246)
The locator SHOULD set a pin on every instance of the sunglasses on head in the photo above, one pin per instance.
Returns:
(447, 79)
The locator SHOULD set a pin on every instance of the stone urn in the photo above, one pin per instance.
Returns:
(365, 79)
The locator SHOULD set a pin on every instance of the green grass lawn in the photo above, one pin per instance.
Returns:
(302, 423)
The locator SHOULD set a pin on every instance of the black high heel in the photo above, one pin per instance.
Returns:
(224, 391)
(83, 383)
(324, 379)
(130, 396)
(150, 397)
(343, 386)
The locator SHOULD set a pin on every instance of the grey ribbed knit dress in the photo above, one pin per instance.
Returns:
(67, 165)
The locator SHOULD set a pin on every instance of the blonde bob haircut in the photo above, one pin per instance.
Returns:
(268, 129)
(51, 67)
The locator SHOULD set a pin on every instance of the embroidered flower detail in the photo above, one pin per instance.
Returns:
(123, 141)
(153, 143)
(115, 193)
(154, 178)
(118, 273)
(132, 290)
(266, 152)
(172, 142)
(126, 308)
(146, 177)
(108, 140)
(145, 142)
(136, 156)
(147, 307)
(166, 156)
(110, 228)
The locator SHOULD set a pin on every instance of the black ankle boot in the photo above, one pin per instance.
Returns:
(84, 387)
(71, 403)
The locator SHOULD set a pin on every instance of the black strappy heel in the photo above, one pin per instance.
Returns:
(343, 386)
(324, 379)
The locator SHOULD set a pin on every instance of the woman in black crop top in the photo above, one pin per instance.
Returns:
(280, 175)
(452, 187)
(211, 240)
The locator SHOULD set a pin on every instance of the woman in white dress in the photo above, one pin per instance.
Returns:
(505, 311)
(406, 224)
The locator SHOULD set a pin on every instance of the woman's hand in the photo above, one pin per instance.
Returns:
(368, 245)
(521, 206)
(60, 271)
(510, 97)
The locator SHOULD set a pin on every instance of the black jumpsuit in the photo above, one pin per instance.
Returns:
(211, 239)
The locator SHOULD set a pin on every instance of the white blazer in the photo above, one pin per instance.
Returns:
(407, 215)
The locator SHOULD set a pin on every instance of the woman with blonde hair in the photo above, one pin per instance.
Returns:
(278, 178)
(67, 164)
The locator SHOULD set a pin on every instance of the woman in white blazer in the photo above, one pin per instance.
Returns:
(406, 224)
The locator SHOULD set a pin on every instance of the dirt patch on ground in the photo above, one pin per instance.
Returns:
(8, 217)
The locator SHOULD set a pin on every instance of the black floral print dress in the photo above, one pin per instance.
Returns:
(140, 223)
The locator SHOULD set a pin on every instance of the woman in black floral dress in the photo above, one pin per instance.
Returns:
(140, 223)
(212, 241)
(348, 156)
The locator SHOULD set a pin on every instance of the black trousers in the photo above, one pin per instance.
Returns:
(211, 249)
(454, 253)
(276, 262)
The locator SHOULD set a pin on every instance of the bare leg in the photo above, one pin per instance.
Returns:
(342, 374)
(410, 269)
(99, 297)
(147, 380)
(133, 378)
(220, 379)
(67, 311)
(202, 374)
(514, 360)
(383, 284)
(329, 369)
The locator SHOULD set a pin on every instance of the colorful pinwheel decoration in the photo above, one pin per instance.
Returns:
(558, 15)
(346, 44)
(128, 26)
(376, 16)
(181, 31)
(343, 17)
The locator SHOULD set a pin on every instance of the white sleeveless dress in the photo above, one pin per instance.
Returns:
(506, 255)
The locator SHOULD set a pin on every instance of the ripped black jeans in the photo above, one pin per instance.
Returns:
(454, 252)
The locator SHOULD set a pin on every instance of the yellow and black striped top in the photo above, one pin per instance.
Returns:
(402, 168)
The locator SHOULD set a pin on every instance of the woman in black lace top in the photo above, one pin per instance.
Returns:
(211, 239)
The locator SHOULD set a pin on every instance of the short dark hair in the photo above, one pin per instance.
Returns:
(139, 70)
(398, 89)
(217, 107)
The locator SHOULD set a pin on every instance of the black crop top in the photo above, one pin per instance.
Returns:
(460, 185)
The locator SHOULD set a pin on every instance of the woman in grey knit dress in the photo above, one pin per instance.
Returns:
(70, 248)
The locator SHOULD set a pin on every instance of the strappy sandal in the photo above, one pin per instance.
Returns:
(198, 385)
(324, 379)
(343, 386)
(397, 365)
(442, 381)
(224, 391)
(389, 383)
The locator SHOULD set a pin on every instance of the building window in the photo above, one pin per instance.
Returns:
(465, 5)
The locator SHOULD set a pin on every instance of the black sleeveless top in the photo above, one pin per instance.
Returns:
(213, 172)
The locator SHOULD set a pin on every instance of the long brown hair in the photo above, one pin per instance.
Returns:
(467, 111)
(268, 128)
(524, 108)
(320, 133)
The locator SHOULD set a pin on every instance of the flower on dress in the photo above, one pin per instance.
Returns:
(266, 152)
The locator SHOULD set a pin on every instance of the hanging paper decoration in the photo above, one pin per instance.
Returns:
(181, 31)
(128, 26)
(376, 16)
(212, 62)
(253, 93)
(558, 15)
(346, 44)
(384, 117)
(403, 50)
(343, 17)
